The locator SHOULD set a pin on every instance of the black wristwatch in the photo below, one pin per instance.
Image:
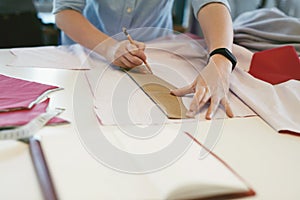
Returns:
(227, 54)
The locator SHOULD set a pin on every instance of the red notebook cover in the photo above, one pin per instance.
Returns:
(276, 65)
(236, 195)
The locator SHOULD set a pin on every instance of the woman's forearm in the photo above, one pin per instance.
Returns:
(216, 24)
(79, 29)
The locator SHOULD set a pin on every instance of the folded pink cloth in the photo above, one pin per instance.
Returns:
(18, 94)
(21, 117)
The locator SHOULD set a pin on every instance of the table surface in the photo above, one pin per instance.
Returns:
(267, 160)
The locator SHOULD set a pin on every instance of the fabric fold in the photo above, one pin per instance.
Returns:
(265, 29)
(278, 105)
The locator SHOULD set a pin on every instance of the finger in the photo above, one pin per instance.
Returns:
(136, 51)
(194, 107)
(134, 60)
(205, 99)
(140, 45)
(227, 107)
(183, 91)
(118, 63)
(214, 104)
(139, 54)
(123, 62)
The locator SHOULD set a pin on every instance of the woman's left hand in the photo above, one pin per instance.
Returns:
(212, 84)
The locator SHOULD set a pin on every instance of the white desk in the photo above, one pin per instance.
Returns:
(267, 160)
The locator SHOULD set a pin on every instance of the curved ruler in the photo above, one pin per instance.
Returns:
(159, 91)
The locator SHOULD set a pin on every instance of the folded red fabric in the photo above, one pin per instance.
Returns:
(276, 65)
(18, 94)
(17, 118)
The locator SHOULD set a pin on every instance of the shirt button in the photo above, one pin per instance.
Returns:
(129, 10)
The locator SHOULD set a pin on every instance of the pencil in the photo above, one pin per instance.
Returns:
(132, 42)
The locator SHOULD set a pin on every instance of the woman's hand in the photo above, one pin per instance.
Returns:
(212, 84)
(126, 55)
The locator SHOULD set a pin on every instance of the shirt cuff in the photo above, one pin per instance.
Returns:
(198, 4)
(60, 5)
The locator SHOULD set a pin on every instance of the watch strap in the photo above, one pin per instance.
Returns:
(227, 54)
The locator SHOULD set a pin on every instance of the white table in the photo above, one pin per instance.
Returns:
(267, 160)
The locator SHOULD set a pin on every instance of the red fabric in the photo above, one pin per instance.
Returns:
(22, 117)
(276, 65)
(18, 94)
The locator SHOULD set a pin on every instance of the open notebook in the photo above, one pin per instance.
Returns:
(77, 175)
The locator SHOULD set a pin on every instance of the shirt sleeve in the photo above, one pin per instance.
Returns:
(198, 4)
(59, 5)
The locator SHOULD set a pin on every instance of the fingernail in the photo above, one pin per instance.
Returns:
(208, 117)
(144, 71)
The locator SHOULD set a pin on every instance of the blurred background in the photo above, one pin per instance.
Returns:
(31, 23)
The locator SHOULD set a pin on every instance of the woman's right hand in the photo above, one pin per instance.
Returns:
(126, 55)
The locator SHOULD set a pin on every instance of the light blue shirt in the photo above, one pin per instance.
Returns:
(110, 16)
